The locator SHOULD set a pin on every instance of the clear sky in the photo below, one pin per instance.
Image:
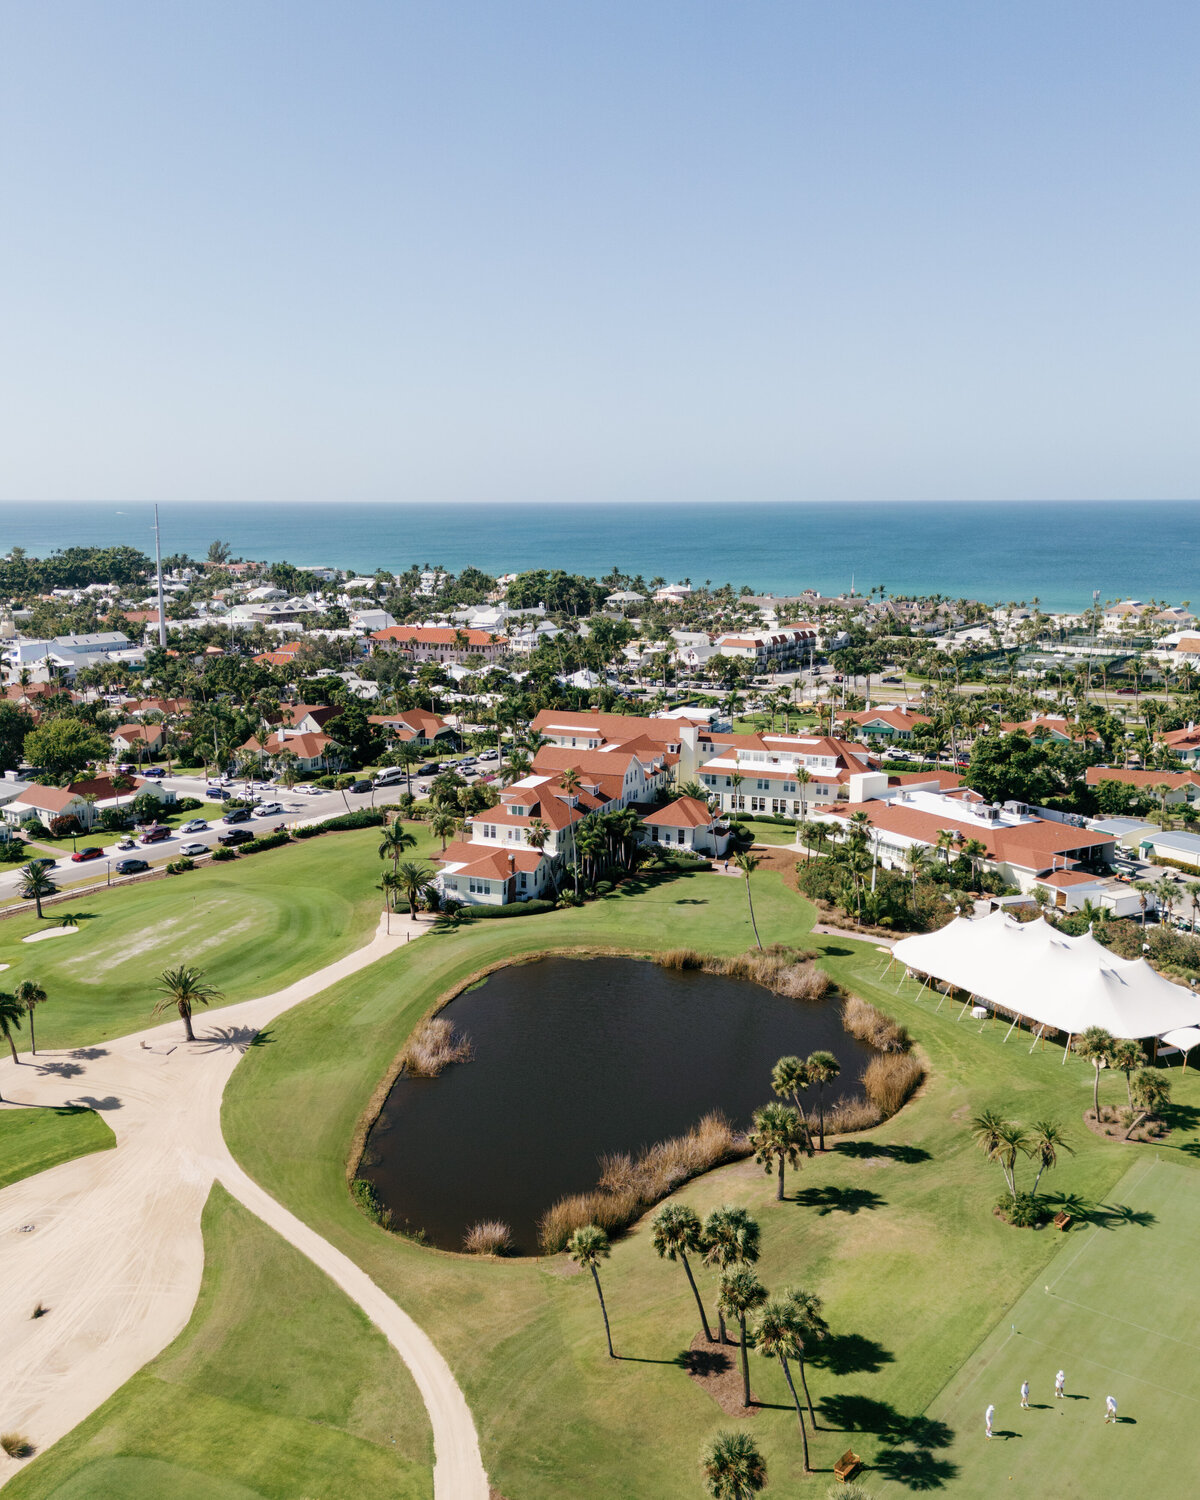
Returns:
(584, 251)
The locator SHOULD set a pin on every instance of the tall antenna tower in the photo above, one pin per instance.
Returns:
(162, 614)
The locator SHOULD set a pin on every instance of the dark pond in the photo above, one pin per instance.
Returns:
(575, 1058)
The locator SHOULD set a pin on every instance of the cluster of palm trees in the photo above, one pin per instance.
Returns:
(1147, 1089)
(792, 1075)
(407, 875)
(15, 1007)
(786, 1328)
(1006, 1141)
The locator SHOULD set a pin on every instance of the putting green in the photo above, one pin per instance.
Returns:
(1117, 1310)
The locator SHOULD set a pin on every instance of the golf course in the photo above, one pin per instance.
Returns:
(936, 1307)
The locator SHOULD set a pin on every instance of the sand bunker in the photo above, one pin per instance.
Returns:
(37, 937)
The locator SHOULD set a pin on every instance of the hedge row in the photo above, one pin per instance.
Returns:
(267, 841)
(365, 817)
(515, 909)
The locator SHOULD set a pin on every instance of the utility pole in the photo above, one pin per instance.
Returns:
(162, 614)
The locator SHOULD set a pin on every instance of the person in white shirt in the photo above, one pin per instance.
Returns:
(1060, 1381)
(1025, 1395)
(1110, 1408)
(987, 1420)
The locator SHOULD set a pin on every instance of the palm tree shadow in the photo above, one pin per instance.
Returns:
(703, 1362)
(232, 1038)
(829, 1199)
(1101, 1215)
(850, 1354)
(89, 1101)
(912, 1461)
(89, 1054)
(908, 1155)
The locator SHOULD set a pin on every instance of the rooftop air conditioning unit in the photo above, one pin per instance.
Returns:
(989, 814)
(1021, 809)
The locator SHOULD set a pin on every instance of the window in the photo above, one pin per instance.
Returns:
(480, 887)
(758, 804)
(763, 784)
(524, 880)
(680, 838)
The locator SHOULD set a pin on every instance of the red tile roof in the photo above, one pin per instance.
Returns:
(1132, 776)
(684, 812)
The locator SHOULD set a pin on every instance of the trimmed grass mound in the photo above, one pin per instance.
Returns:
(34, 1140)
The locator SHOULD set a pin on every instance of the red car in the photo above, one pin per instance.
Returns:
(93, 852)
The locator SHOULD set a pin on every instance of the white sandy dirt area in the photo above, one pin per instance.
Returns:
(115, 1251)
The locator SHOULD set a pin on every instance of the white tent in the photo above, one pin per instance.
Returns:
(1029, 969)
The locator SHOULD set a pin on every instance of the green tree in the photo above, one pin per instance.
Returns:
(1095, 1045)
(409, 755)
(443, 825)
(1046, 1141)
(587, 1247)
(415, 879)
(779, 1138)
(741, 1294)
(747, 864)
(732, 1466)
(63, 746)
(36, 885)
(822, 1068)
(776, 1337)
(1126, 1055)
(31, 995)
(394, 841)
(11, 1011)
(1010, 766)
(16, 723)
(1151, 1090)
(809, 1329)
(731, 1238)
(676, 1233)
(182, 990)
(788, 1077)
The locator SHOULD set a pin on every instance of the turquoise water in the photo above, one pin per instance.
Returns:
(1058, 552)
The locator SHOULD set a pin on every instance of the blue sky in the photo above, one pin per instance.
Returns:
(566, 251)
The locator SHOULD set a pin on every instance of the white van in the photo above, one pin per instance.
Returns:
(389, 776)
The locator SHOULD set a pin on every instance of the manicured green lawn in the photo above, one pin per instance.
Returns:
(34, 1140)
(895, 1232)
(253, 925)
(278, 1388)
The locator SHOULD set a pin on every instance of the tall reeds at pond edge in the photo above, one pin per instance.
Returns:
(629, 1186)
(434, 1045)
(786, 971)
(861, 1019)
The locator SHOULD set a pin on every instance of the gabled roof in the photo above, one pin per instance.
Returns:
(488, 860)
(52, 799)
(436, 635)
(1133, 776)
(684, 812)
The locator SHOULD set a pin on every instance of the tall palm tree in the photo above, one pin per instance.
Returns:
(1151, 1090)
(974, 850)
(414, 878)
(1166, 893)
(732, 1466)
(1095, 1045)
(740, 1294)
(443, 825)
(409, 755)
(394, 840)
(31, 995)
(731, 1238)
(36, 885)
(1193, 890)
(803, 778)
(916, 859)
(747, 864)
(587, 1247)
(518, 765)
(1144, 888)
(788, 1077)
(780, 1136)
(776, 1338)
(11, 1011)
(569, 781)
(1046, 1141)
(810, 1328)
(823, 1068)
(676, 1233)
(182, 989)
(988, 1130)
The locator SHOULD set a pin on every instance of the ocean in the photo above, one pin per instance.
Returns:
(1057, 552)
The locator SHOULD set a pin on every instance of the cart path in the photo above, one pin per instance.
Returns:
(115, 1251)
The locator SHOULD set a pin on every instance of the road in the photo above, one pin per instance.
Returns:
(111, 1243)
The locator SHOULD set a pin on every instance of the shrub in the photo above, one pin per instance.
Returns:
(514, 909)
(224, 854)
(364, 1194)
(488, 1237)
(61, 828)
(848, 1115)
(35, 829)
(365, 817)
(863, 1020)
(344, 782)
(628, 1187)
(434, 1045)
(327, 782)
(11, 850)
(1023, 1212)
(787, 971)
(603, 888)
(16, 1444)
(180, 866)
(890, 1079)
(267, 841)
(188, 804)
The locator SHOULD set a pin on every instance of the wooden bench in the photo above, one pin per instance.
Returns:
(847, 1466)
(1062, 1220)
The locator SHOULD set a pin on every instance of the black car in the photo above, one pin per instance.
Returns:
(361, 786)
(429, 770)
(130, 866)
(237, 815)
(234, 836)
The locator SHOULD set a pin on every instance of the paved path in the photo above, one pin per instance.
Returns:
(111, 1243)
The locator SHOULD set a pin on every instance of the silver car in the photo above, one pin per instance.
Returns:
(192, 851)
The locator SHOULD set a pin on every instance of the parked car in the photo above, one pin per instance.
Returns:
(268, 810)
(130, 866)
(237, 815)
(430, 769)
(359, 786)
(195, 825)
(228, 837)
(93, 851)
(217, 794)
(155, 835)
(155, 773)
(389, 776)
(43, 864)
(489, 755)
(1126, 692)
(193, 851)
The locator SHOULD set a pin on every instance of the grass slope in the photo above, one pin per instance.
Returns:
(279, 1387)
(895, 1232)
(34, 1140)
(253, 925)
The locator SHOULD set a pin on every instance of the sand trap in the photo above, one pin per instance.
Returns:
(4, 966)
(37, 937)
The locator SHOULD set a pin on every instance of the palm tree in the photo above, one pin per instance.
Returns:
(779, 1138)
(988, 1129)
(730, 1239)
(740, 1294)
(537, 835)
(776, 1338)
(182, 989)
(409, 755)
(732, 1466)
(810, 1328)
(36, 885)
(974, 850)
(517, 766)
(823, 1068)
(11, 1011)
(31, 995)
(788, 1077)
(1046, 1142)
(587, 1247)
(393, 841)
(1095, 1044)
(443, 825)
(945, 842)
(1126, 1055)
(414, 878)
(1193, 890)
(747, 864)
(569, 781)
(676, 1232)
(1151, 1090)
(916, 858)
(1166, 893)
(803, 778)
(1144, 889)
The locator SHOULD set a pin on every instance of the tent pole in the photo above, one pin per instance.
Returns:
(963, 1012)
(1067, 1048)
(940, 1003)
(1186, 1050)
(1041, 1029)
(1009, 1032)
